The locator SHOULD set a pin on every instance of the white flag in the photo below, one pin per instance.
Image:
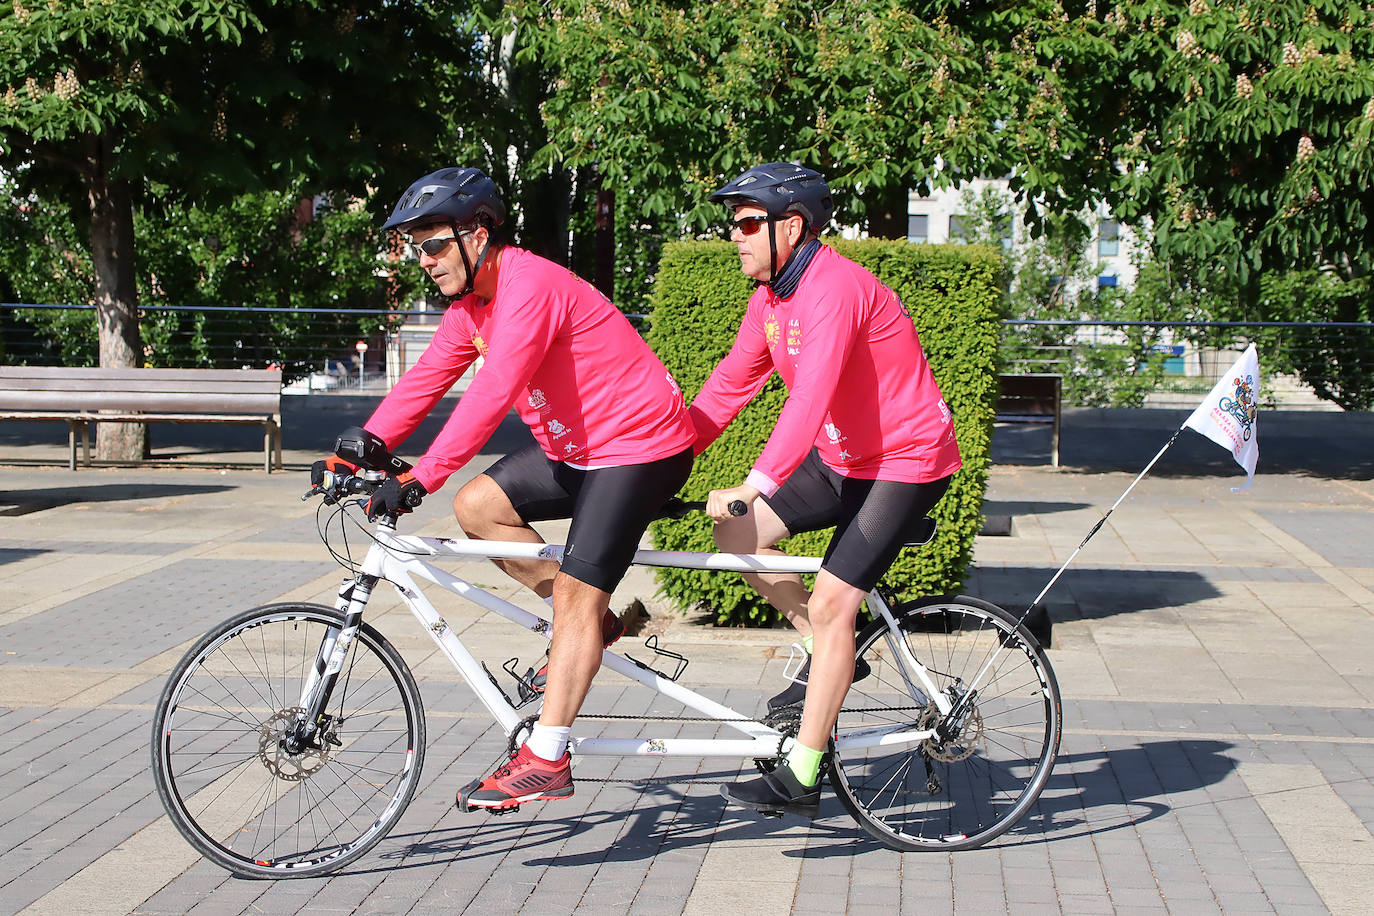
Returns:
(1228, 416)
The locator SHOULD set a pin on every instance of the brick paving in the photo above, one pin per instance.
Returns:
(1212, 650)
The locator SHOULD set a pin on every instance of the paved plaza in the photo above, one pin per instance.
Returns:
(1213, 648)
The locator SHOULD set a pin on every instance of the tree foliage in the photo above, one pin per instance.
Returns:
(1252, 125)
(1236, 133)
(118, 106)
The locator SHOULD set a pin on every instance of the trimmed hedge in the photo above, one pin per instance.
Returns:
(953, 293)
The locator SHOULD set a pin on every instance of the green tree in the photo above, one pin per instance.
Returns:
(116, 106)
(1251, 158)
(1053, 277)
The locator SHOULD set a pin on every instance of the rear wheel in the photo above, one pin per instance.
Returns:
(234, 779)
(961, 791)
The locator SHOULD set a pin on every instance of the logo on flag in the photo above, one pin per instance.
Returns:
(1229, 414)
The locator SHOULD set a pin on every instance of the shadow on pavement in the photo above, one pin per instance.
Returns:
(1090, 594)
(25, 501)
(1129, 782)
(1088, 794)
(1020, 507)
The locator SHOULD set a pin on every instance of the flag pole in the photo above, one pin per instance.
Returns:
(1139, 477)
(964, 700)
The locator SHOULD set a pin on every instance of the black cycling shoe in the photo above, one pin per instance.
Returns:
(794, 694)
(775, 794)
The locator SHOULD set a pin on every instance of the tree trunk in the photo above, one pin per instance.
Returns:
(116, 293)
(887, 215)
(605, 242)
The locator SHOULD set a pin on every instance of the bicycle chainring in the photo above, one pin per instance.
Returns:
(280, 762)
(787, 721)
(520, 734)
(962, 747)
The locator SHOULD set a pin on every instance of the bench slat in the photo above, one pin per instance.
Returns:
(149, 401)
(87, 396)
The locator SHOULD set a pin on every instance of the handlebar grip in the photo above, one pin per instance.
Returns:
(678, 508)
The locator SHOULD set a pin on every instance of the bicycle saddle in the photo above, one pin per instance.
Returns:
(920, 531)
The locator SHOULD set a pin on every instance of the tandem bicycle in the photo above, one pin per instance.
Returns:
(290, 738)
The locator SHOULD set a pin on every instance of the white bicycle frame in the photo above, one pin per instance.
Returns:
(400, 560)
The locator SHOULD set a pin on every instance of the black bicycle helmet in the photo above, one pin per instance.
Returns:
(780, 188)
(454, 195)
(457, 196)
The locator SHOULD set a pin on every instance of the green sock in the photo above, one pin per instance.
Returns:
(805, 764)
(807, 642)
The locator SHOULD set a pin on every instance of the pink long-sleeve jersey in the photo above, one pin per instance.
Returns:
(859, 387)
(581, 378)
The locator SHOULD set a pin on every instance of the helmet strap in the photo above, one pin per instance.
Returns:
(468, 265)
(772, 250)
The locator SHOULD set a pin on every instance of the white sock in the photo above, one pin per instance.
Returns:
(548, 742)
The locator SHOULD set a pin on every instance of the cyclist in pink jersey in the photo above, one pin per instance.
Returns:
(613, 441)
(864, 442)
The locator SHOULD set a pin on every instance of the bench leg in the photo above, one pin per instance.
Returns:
(271, 446)
(1054, 440)
(84, 427)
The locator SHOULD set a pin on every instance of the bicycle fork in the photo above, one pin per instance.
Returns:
(313, 723)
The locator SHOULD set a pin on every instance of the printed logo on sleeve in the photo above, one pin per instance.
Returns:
(537, 399)
(771, 332)
(558, 429)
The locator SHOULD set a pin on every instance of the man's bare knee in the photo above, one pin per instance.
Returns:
(738, 535)
(481, 505)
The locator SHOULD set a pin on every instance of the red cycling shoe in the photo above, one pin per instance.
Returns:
(523, 778)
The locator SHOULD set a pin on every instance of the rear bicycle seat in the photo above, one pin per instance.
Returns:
(920, 532)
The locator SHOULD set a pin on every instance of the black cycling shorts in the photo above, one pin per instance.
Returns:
(609, 507)
(872, 518)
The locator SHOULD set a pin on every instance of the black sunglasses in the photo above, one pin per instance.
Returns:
(434, 244)
(747, 225)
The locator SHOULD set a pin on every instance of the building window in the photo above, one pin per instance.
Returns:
(1106, 281)
(1108, 239)
(917, 227)
(958, 227)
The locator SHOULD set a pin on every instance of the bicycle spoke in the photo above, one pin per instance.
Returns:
(964, 789)
(245, 786)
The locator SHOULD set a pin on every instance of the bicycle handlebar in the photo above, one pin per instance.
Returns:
(678, 508)
(337, 486)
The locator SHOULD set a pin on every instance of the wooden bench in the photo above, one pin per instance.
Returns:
(1032, 398)
(85, 396)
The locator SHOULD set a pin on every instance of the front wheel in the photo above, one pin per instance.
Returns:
(236, 782)
(972, 784)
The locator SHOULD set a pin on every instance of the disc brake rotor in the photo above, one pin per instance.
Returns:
(962, 746)
(276, 759)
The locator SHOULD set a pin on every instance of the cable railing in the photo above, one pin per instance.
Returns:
(1102, 363)
(1303, 365)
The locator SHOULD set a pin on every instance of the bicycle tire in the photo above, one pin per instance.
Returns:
(241, 798)
(962, 793)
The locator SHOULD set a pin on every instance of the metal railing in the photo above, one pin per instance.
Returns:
(1103, 363)
(1303, 365)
